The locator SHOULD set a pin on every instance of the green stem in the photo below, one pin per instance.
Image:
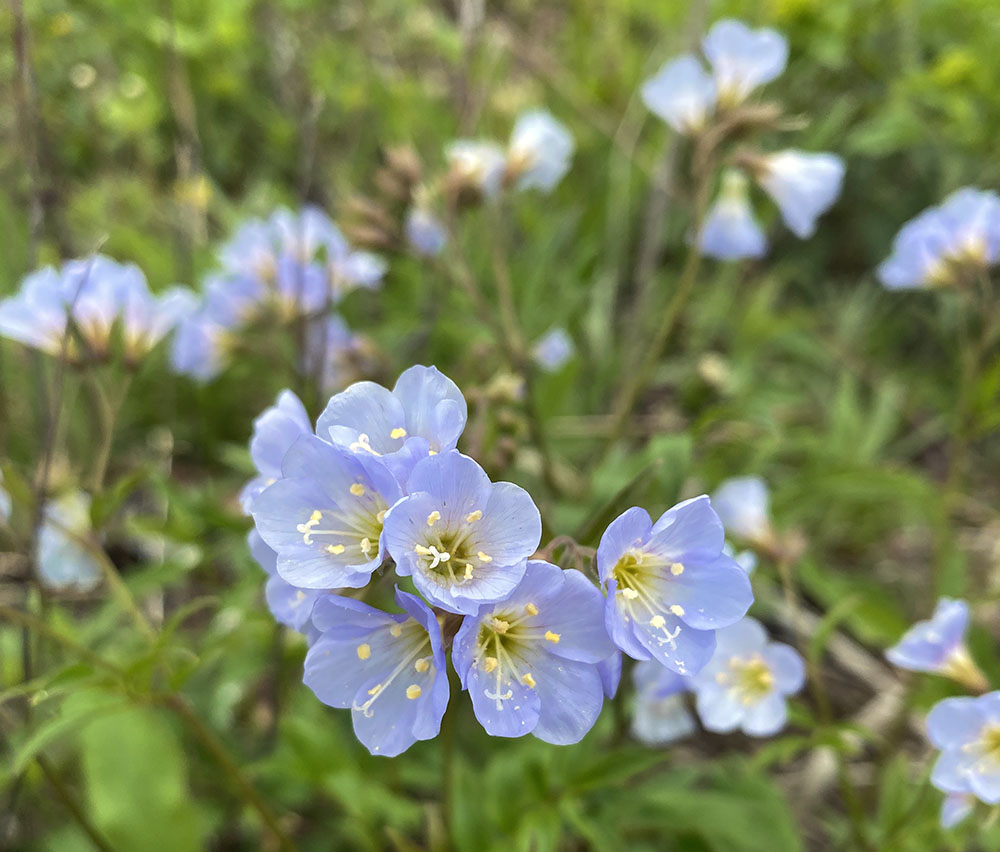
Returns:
(65, 796)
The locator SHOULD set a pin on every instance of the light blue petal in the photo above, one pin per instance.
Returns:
(630, 529)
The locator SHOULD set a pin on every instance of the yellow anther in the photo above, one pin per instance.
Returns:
(552, 637)
(364, 651)
(490, 664)
(468, 571)
(396, 630)
(531, 609)
(677, 569)
(421, 665)
(300, 596)
(366, 546)
(499, 625)
(375, 690)
(483, 557)
(413, 691)
(398, 432)
(473, 516)
(528, 680)
(358, 490)
(316, 516)
(380, 517)
(677, 609)
(432, 452)
(335, 549)
(630, 594)
(658, 621)
(433, 518)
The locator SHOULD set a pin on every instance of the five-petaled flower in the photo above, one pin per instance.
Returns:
(660, 715)
(967, 730)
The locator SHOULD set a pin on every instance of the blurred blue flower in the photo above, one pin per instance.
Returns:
(669, 584)
(955, 808)
(936, 248)
(324, 516)
(967, 730)
(480, 163)
(424, 404)
(530, 663)
(200, 347)
(66, 558)
(743, 505)
(660, 715)
(540, 151)
(389, 669)
(274, 432)
(682, 93)
(463, 539)
(6, 504)
(747, 680)
(553, 350)
(743, 59)
(329, 348)
(38, 315)
(424, 232)
(803, 185)
(938, 645)
(730, 230)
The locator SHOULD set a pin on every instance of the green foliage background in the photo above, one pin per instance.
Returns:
(158, 125)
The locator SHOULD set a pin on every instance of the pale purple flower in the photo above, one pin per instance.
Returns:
(147, 319)
(743, 59)
(388, 668)
(747, 681)
(66, 558)
(731, 231)
(37, 315)
(200, 347)
(554, 350)
(681, 93)
(935, 248)
(274, 432)
(540, 151)
(530, 663)
(669, 584)
(743, 505)
(463, 539)
(938, 645)
(660, 714)
(967, 730)
(424, 232)
(481, 163)
(329, 346)
(324, 516)
(803, 185)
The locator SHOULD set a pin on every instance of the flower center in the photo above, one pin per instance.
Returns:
(749, 680)
(503, 638)
(451, 555)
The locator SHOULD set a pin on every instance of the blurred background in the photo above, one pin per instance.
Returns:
(151, 130)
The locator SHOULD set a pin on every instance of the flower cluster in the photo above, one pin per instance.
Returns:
(967, 730)
(287, 267)
(693, 100)
(92, 309)
(380, 482)
(945, 245)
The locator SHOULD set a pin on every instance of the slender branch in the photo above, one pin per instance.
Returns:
(65, 795)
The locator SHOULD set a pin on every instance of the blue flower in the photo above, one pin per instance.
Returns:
(660, 714)
(6, 504)
(939, 246)
(465, 540)
(730, 230)
(746, 559)
(329, 348)
(424, 232)
(670, 585)
(743, 505)
(746, 682)
(389, 669)
(938, 645)
(290, 605)
(424, 403)
(38, 315)
(324, 516)
(967, 730)
(479, 163)
(743, 59)
(66, 559)
(274, 432)
(682, 93)
(610, 670)
(540, 151)
(553, 350)
(200, 347)
(955, 808)
(803, 185)
(146, 319)
(530, 663)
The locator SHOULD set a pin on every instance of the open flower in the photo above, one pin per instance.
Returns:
(743, 59)
(967, 730)
(941, 245)
(368, 418)
(743, 505)
(938, 645)
(682, 93)
(388, 668)
(530, 663)
(478, 163)
(730, 230)
(274, 432)
(324, 516)
(803, 185)
(660, 714)
(540, 151)
(747, 680)
(465, 540)
(670, 585)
